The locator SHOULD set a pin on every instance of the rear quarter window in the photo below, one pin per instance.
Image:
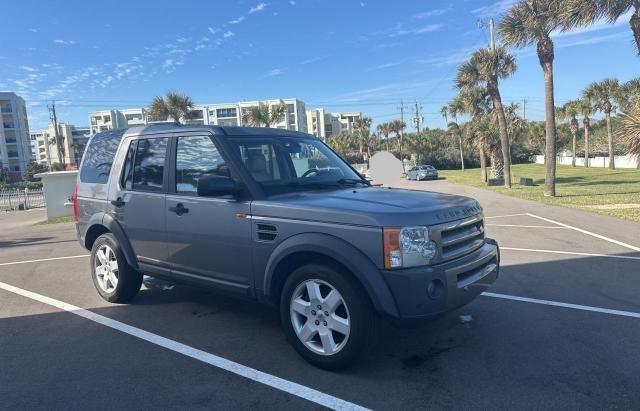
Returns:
(98, 157)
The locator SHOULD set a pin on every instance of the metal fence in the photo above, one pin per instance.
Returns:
(18, 199)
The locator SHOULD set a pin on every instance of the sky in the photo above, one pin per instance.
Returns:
(343, 55)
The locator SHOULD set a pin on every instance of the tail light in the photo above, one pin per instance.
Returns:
(75, 202)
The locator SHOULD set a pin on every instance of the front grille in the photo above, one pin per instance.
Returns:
(458, 238)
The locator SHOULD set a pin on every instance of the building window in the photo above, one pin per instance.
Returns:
(132, 117)
(226, 112)
(107, 119)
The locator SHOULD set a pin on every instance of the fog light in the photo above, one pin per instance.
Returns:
(435, 289)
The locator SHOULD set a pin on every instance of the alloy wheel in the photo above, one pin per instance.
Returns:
(106, 269)
(320, 317)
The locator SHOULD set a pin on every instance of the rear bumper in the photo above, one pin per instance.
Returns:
(425, 292)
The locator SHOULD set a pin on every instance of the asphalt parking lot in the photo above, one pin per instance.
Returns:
(559, 329)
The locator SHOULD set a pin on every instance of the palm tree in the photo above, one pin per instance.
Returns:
(531, 22)
(586, 12)
(456, 108)
(484, 69)
(264, 115)
(586, 109)
(341, 143)
(385, 129)
(362, 132)
(398, 126)
(474, 102)
(629, 93)
(174, 106)
(604, 94)
(629, 131)
(569, 111)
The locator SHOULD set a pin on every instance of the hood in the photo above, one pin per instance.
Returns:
(373, 206)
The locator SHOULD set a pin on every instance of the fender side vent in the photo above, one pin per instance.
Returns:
(266, 232)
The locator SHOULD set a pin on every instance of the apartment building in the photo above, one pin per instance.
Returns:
(224, 114)
(73, 138)
(322, 124)
(15, 147)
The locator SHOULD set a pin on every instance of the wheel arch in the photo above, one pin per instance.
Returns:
(104, 223)
(313, 247)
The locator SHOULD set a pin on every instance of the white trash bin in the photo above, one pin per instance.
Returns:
(58, 192)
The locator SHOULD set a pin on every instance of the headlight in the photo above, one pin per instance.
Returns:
(408, 247)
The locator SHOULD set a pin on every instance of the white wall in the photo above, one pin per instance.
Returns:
(620, 161)
(58, 189)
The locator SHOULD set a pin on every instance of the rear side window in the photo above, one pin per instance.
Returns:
(126, 181)
(98, 157)
(148, 169)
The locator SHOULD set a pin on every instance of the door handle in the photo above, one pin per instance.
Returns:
(179, 209)
(118, 202)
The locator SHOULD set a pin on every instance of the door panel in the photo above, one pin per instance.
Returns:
(140, 203)
(210, 239)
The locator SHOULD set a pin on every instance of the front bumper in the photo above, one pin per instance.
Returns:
(426, 292)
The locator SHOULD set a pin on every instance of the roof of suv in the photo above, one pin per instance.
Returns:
(219, 130)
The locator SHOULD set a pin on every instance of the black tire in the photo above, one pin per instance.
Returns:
(129, 280)
(362, 316)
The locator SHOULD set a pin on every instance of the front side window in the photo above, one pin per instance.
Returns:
(196, 157)
(148, 170)
(281, 164)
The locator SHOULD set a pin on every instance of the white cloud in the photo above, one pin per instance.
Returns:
(33, 30)
(236, 21)
(429, 28)
(258, 7)
(385, 65)
(494, 9)
(292, 2)
(212, 30)
(27, 68)
(228, 34)
(433, 13)
(399, 30)
(66, 42)
(361, 4)
(274, 72)
(313, 59)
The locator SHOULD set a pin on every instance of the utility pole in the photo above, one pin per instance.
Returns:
(417, 121)
(54, 121)
(524, 109)
(401, 132)
(492, 35)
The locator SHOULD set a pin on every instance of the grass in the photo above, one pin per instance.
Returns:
(598, 190)
(57, 220)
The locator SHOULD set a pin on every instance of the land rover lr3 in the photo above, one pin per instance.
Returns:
(276, 216)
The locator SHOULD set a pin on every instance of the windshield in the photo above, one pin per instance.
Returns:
(280, 165)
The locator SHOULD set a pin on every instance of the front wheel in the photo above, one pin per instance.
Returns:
(327, 317)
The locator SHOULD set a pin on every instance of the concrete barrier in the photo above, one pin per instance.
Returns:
(602, 162)
(58, 192)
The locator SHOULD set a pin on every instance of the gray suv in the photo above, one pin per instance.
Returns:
(276, 216)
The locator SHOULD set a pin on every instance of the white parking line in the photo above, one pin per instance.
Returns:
(563, 305)
(525, 226)
(611, 240)
(278, 383)
(535, 250)
(506, 215)
(44, 259)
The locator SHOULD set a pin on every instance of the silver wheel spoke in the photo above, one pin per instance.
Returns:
(313, 288)
(300, 306)
(328, 343)
(333, 300)
(307, 332)
(339, 325)
(101, 257)
(113, 265)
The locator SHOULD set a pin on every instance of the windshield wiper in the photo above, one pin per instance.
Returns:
(353, 181)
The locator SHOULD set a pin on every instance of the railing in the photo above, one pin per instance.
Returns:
(17, 199)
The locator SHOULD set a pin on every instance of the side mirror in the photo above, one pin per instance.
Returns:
(213, 186)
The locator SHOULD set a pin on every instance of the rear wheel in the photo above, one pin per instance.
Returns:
(327, 317)
(114, 279)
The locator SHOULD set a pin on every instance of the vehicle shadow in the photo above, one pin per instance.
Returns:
(33, 241)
